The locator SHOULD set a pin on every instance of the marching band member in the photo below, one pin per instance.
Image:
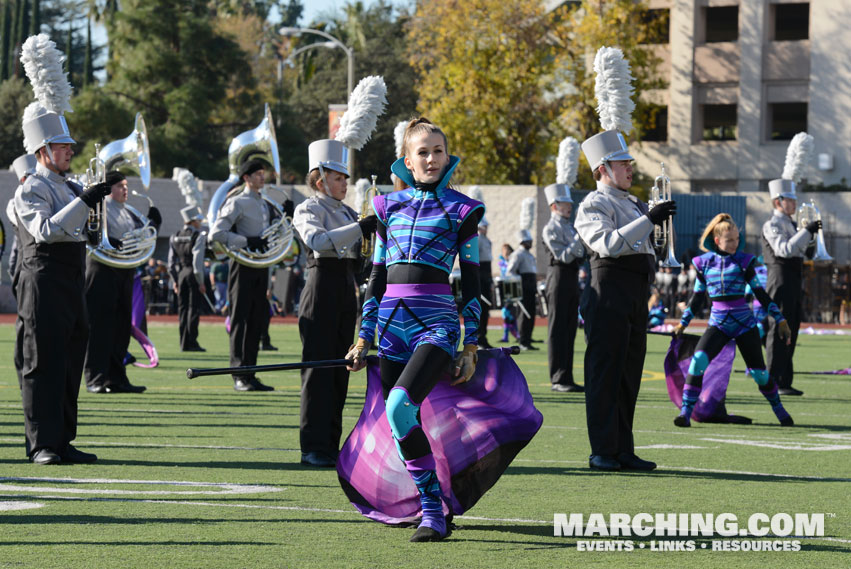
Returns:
(422, 228)
(328, 308)
(242, 220)
(723, 272)
(783, 247)
(109, 297)
(186, 268)
(52, 325)
(522, 263)
(485, 271)
(566, 252)
(24, 166)
(616, 227)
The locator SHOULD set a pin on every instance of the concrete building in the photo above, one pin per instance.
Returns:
(744, 77)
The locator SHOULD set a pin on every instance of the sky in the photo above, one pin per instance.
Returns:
(314, 9)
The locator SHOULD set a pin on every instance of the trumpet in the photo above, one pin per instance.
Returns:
(368, 243)
(96, 174)
(663, 236)
(808, 213)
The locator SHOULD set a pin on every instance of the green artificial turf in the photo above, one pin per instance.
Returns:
(194, 475)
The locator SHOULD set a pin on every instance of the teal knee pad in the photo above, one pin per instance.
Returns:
(402, 414)
(699, 363)
(760, 376)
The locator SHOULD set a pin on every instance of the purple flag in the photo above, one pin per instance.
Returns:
(475, 431)
(715, 378)
(138, 323)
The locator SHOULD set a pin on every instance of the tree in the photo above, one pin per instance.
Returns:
(508, 87)
(15, 95)
(170, 63)
(5, 38)
(488, 81)
(383, 53)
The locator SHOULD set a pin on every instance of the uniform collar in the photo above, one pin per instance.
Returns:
(406, 176)
(248, 192)
(114, 203)
(328, 200)
(612, 191)
(46, 172)
(780, 214)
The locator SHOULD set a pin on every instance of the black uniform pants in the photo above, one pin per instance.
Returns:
(486, 287)
(786, 293)
(562, 312)
(614, 306)
(51, 333)
(188, 308)
(109, 300)
(247, 295)
(326, 324)
(526, 323)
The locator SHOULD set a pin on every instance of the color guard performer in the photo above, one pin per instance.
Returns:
(566, 253)
(240, 223)
(52, 325)
(617, 228)
(186, 268)
(783, 247)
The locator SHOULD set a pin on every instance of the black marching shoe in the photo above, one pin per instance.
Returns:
(528, 347)
(790, 391)
(96, 388)
(602, 462)
(195, 348)
(567, 388)
(269, 348)
(45, 456)
(252, 384)
(629, 461)
(317, 459)
(125, 388)
(75, 456)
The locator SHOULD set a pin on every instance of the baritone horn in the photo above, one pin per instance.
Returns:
(808, 213)
(663, 236)
(260, 142)
(138, 244)
(98, 223)
(368, 243)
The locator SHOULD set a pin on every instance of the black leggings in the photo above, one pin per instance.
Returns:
(417, 376)
(713, 340)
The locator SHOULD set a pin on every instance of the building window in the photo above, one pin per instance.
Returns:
(791, 21)
(719, 122)
(722, 24)
(786, 120)
(657, 24)
(654, 122)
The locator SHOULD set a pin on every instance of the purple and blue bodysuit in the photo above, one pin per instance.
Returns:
(724, 278)
(420, 232)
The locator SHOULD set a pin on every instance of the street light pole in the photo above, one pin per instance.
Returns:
(350, 84)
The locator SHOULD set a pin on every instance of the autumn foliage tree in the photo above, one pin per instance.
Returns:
(508, 79)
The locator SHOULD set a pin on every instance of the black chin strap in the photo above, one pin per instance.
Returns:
(423, 187)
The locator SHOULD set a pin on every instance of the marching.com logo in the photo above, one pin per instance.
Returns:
(680, 525)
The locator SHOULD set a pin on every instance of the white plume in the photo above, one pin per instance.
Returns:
(476, 193)
(567, 163)
(613, 89)
(189, 185)
(43, 65)
(33, 110)
(798, 157)
(527, 213)
(399, 136)
(361, 187)
(366, 104)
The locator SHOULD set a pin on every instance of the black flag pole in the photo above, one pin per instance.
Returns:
(192, 373)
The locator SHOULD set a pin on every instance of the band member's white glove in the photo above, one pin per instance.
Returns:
(465, 364)
(357, 353)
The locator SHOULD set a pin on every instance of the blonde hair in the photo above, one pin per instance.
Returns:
(421, 126)
(715, 228)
